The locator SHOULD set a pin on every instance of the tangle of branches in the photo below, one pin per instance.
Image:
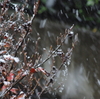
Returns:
(20, 78)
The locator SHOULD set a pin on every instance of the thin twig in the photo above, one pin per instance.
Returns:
(21, 43)
(27, 31)
(9, 88)
(53, 52)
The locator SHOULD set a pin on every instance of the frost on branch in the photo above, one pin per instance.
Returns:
(23, 76)
(9, 57)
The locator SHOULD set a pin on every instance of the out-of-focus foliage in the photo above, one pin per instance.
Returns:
(92, 2)
(80, 12)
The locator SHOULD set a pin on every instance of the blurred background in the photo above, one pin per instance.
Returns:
(83, 13)
(82, 79)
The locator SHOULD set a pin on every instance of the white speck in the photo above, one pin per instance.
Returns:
(34, 6)
(66, 15)
(42, 23)
(28, 57)
(9, 57)
(61, 12)
(21, 92)
(6, 83)
(26, 73)
(61, 89)
(93, 47)
(66, 40)
(76, 38)
(95, 60)
(98, 81)
(44, 49)
(39, 38)
(77, 14)
(22, 96)
(2, 61)
(15, 5)
(50, 3)
(49, 34)
(16, 59)
(68, 62)
(13, 97)
(74, 10)
(59, 52)
(38, 34)
(1, 44)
